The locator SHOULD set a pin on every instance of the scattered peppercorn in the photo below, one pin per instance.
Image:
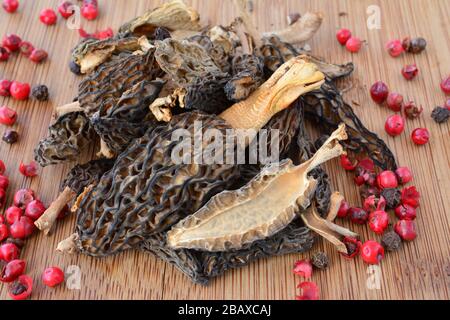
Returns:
(372, 252)
(48, 17)
(353, 246)
(411, 196)
(22, 197)
(10, 136)
(405, 212)
(52, 276)
(66, 9)
(26, 48)
(38, 55)
(5, 86)
(440, 115)
(410, 71)
(320, 260)
(10, 6)
(9, 252)
(391, 241)
(89, 10)
(303, 268)
(374, 203)
(22, 228)
(394, 48)
(445, 85)
(13, 214)
(358, 215)
(353, 44)
(11, 42)
(35, 209)
(309, 291)
(414, 45)
(394, 125)
(4, 54)
(21, 288)
(7, 116)
(379, 92)
(12, 270)
(394, 101)
(342, 36)
(420, 136)
(412, 111)
(378, 221)
(40, 92)
(20, 91)
(28, 170)
(392, 196)
(404, 175)
(406, 229)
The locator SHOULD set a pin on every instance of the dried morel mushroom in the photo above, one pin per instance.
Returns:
(173, 15)
(329, 109)
(216, 51)
(248, 75)
(67, 137)
(80, 177)
(232, 219)
(154, 192)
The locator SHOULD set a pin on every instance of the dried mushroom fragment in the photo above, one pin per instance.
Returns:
(276, 52)
(91, 53)
(76, 180)
(173, 15)
(216, 51)
(248, 75)
(329, 109)
(258, 210)
(67, 137)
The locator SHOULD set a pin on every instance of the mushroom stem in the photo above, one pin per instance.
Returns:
(46, 221)
(68, 245)
(294, 78)
(105, 151)
(335, 203)
(68, 108)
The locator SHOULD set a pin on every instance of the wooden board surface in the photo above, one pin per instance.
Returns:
(420, 270)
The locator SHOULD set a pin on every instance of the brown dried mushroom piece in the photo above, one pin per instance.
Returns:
(258, 210)
(76, 180)
(67, 137)
(91, 53)
(216, 51)
(173, 15)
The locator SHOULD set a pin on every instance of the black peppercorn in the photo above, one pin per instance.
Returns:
(40, 93)
(440, 115)
(10, 136)
(320, 260)
(391, 241)
(392, 197)
(414, 45)
(75, 68)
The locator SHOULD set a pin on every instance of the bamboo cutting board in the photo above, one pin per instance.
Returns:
(420, 270)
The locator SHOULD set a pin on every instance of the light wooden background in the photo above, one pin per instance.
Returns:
(421, 270)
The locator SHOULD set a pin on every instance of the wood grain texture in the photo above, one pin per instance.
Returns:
(420, 270)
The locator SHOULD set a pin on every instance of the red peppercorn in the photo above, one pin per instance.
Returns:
(104, 34)
(66, 9)
(303, 268)
(48, 17)
(387, 179)
(38, 55)
(420, 136)
(4, 232)
(9, 252)
(411, 196)
(378, 221)
(343, 35)
(405, 212)
(358, 215)
(353, 246)
(404, 175)
(347, 164)
(394, 48)
(353, 44)
(2, 167)
(20, 91)
(374, 203)
(26, 48)
(406, 229)
(343, 209)
(13, 214)
(52, 276)
(28, 170)
(4, 182)
(410, 71)
(395, 124)
(23, 197)
(21, 288)
(7, 116)
(89, 10)
(5, 86)
(2, 197)
(10, 6)
(379, 92)
(11, 42)
(372, 252)
(309, 291)
(395, 101)
(22, 228)
(35, 209)
(12, 270)
(4, 54)
(445, 85)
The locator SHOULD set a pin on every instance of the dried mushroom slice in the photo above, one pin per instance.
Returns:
(67, 137)
(173, 15)
(248, 75)
(329, 109)
(258, 210)
(276, 52)
(76, 180)
(91, 53)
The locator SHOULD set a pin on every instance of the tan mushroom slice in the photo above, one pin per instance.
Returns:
(258, 210)
(335, 203)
